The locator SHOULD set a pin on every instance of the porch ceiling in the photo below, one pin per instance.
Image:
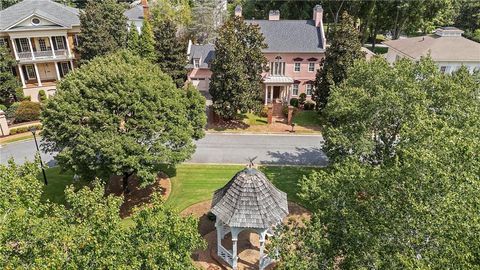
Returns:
(278, 79)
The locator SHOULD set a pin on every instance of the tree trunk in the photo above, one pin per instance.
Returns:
(126, 175)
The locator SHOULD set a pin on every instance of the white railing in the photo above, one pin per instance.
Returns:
(25, 55)
(264, 262)
(60, 53)
(43, 54)
(225, 254)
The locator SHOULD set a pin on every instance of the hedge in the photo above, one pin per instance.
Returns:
(14, 131)
(27, 111)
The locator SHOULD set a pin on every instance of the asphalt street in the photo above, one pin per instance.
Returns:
(220, 149)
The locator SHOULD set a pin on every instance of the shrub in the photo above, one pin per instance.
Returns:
(303, 97)
(309, 105)
(294, 102)
(24, 129)
(3, 107)
(42, 96)
(285, 111)
(10, 112)
(27, 111)
(263, 112)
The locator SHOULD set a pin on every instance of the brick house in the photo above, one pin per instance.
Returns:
(294, 53)
(42, 35)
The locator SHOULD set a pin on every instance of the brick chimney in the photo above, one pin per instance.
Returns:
(274, 15)
(318, 18)
(146, 11)
(238, 11)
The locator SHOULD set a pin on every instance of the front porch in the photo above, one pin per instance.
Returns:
(277, 89)
(43, 74)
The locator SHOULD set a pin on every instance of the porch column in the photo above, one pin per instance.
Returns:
(57, 71)
(266, 94)
(37, 74)
(71, 64)
(14, 45)
(271, 94)
(22, 78)
(51, 46)
(31, 48)
(68, 46)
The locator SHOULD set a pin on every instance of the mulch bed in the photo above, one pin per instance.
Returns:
(138, 195)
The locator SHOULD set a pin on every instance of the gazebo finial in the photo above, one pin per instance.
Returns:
(250, 162)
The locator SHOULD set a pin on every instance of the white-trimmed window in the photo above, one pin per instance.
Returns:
(295, 89)
(30, 72)
(309, 89)
(196, 63)
(35, 21)
(277, 67)
(443, 69)
(75, 40)
(65, 68)
(43, 45)
(296, 67)
(59, 42)
(311, 67)
(23, 45)
(3, 42)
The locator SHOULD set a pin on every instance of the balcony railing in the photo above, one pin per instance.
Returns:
(42, 54)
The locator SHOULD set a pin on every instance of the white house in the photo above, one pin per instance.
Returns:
(446, 47)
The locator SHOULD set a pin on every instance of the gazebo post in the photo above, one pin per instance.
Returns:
(235, 232)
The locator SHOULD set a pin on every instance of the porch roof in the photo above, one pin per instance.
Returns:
(278, 79)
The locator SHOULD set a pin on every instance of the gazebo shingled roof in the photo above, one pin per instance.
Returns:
(249, 200)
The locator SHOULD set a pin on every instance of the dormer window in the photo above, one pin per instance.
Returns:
(35, 21)
(196, 63)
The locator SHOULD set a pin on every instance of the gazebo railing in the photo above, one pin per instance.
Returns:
(265, 261)
(225, 254)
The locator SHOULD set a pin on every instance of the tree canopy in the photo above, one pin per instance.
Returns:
(103, 29)
(403, 187)
(9, 85)
(146, 43)
(339, 57)
(89, 233)
(237, 67)
(121, 115)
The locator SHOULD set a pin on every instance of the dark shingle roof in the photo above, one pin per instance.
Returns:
(291, 35)
(50, 10)
(249, 200)
(205, 53)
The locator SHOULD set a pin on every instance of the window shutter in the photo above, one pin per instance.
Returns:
(54, 41)
(17, 43)
(24, 70)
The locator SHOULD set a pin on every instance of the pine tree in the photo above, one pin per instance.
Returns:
(170, 51)
(342, 53)
(236, 80)
(9, 85)
(103, 29)
(133, 39)
(146, 45)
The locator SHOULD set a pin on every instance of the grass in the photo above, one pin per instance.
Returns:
(307, 118)
(378, 50)
(16, 138)
(191, 183)
(253, 119)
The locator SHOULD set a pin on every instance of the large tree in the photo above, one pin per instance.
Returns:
(133, 39)
(103, 29)
(170, 50)
(9, 85)
(89, 233)
(207, 17)
(403, 190)
(120, 115)
(343, 51)
(236, 70)
(146, 45)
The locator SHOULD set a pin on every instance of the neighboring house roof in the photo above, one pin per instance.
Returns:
(250, 200)
(135, 13)
(291, 35)
(205, 53)
(62, 15)
(440, 48)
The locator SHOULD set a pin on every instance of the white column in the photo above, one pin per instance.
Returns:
(31, 48)
(14, 44)
(37, 74)
(71, 64)
(57, 71)
(68, 46)
(266, 94)
(22, 78)
(234, 253)
(271, 94)
(51, 46)
(262, 247)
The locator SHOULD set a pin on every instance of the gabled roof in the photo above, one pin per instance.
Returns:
(440, 48)
(205, 53)
(249, 200)
(57, 13)
(135, 13)
(291, 35)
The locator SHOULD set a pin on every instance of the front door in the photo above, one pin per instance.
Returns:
(276, 92)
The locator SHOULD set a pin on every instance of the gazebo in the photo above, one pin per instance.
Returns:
(247, 202)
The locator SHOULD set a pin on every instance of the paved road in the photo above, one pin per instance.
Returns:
(220, 148)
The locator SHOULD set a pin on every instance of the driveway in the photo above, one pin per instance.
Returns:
(221, 149)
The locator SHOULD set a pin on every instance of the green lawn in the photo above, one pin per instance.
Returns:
(253, 119)
(307, 118)
(191, 183)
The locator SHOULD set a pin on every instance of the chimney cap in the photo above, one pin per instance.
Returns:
(274, 12)
(318, 7)
(238, 8)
